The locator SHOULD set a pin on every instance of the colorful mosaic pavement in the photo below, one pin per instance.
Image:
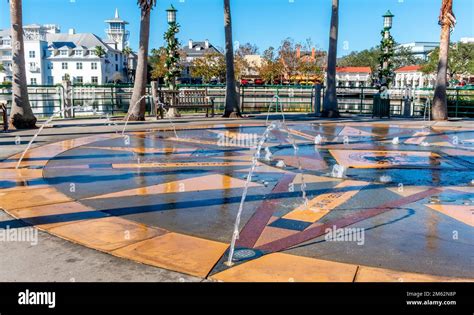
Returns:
(171, 201)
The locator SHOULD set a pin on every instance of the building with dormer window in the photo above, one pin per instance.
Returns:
(52, 56)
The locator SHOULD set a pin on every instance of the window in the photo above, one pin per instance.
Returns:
(116, 68)
(79, 66)
(50, 80)
(64, 65)
(78, 53)
(34, 81)
(94, 66)
(94, 80)
(50, 66)
(65, 77)
(32, 54)
(63, 53)
(79, 80)
(116, 57)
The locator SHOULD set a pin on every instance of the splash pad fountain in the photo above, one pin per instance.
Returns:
(191, 188)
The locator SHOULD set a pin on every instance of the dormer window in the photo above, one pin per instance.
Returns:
(78, 53)
(63, 53)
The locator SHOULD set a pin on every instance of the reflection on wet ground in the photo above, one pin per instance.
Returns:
(408, 197)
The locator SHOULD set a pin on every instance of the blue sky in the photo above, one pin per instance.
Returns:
(262, 22)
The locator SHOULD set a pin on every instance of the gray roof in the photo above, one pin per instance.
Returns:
(202, 49)
(86, 40)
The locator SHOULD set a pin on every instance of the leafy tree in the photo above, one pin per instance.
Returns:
(247, 49)
(157, 62)
(271, 68)
(208, 67)
(287, 54)
(99, 51)
(460, 61)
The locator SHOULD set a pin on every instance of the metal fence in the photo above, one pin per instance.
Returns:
(114, 100)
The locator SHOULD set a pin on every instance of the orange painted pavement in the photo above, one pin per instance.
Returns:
(177, 252)
(280, 267)
(321, 205)
(201, 183)
(464, 214)
(30, 197)
(106, 234)
(36, 215)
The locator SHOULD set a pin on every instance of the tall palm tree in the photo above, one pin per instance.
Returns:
(136, 112)
(231, 97)
(447, 21)
(21, 114)
(330, 108)
(99, 51)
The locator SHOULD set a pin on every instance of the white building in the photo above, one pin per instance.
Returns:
(353, 76)
(51, 56)
(420, 49)
(411, 76)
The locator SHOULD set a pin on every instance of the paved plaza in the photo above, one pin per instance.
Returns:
(169, 199)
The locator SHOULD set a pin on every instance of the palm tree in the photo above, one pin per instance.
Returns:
(136, 112)
(231, 97)
(21, 115)
(127, 51)
(330, 108)
(447, 21)
(99, 51)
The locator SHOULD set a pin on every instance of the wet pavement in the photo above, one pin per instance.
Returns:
(171, 200)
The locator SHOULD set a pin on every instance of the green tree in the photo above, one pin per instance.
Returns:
(157, 62)
(271, 68)
(287, 55)
(208, 67)
(460, 62)
(99, 51)
(2, 68)
(21, 115)
(137, 113)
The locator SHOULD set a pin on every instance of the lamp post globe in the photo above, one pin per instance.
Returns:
(171, 14)
(387, 20)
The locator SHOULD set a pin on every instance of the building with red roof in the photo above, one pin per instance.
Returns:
(353, 76)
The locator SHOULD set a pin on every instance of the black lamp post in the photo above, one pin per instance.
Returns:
(387, 51)
(171, 14)
(172, 64)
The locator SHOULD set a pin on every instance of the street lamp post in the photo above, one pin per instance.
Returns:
(385, 72)
(172, 57)
(387, 51)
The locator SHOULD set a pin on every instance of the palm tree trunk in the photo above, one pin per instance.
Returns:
(21, 115)
(231, 97)
(330, 108)
(440, 102)
(136, 112)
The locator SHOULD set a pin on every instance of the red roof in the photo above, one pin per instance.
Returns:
(408, 69)
(354, 69)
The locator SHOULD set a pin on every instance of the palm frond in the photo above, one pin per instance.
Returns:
(146, 5)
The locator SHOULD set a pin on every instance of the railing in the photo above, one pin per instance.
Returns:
(101, 100)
